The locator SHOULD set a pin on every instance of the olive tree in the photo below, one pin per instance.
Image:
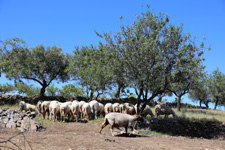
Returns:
(39, 64)
(216, 87)
(90, 68)
(151, 51)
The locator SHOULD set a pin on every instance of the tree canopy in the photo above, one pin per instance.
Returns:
(40, 64)
(155, 55)
(216, 87)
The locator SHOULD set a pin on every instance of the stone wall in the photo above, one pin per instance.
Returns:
(15, 99)
(10, 118)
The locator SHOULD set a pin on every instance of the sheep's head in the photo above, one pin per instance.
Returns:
(139, 118)
(22, 105)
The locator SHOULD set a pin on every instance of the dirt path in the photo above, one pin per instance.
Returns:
(85, 136)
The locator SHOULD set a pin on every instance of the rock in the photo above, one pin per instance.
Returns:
(5, 120)
(29, 124)
(18, 124)
(10, 125)
(13, 119)
(32, 114)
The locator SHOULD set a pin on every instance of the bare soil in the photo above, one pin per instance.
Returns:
(85, 136)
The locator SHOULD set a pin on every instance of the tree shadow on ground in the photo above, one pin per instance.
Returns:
(186, 127)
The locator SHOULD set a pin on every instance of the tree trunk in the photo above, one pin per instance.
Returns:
(178, 103)
(43, 90)
(138, 104)
(139, 98)
(206, 104)
(217, 100)
(98, 95)
(91, 95)
(117, 95)
(160, 98)
(200, 103)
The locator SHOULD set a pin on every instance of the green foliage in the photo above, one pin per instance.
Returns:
(6, 88)
(24, 88)
(40, 64)
(52, 91)
(91, 68)
(200, 91)
(216, 87)
(132, 95)
(153, 56)
(69, 91)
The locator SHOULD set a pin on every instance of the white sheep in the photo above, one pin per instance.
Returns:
(39, 105)
(86, 110)
(120, 120)
(81, 103)
(22, 106)
(108, 108)
(101, 110)
(54, 109)
(27, 107)
(45, 108)
(94, 108)
(116, 107)
(146, 111)
(121, 108)
(65, 110)
(129, 109)
(161, 109)
(75, 109)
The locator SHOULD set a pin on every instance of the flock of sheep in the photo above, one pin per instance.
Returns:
(117, 115)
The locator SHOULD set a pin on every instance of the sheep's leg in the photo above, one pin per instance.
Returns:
(96, 115)
(48, 114)
(105, 123)
(103, 126)
(111, 130)
(81, 114)
(77, 116)
(134, 130)
(126, 130)
(44, 114)
(69, 117)
(54, 116)
(50, 117)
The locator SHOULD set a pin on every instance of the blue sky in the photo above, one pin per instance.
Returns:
(71, 23)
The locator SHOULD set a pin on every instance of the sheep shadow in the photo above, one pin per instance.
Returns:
(79, 121)
(130, 135)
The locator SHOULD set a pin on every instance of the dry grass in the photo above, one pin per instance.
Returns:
(15, 106)
(202, 114)
(198, 114)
